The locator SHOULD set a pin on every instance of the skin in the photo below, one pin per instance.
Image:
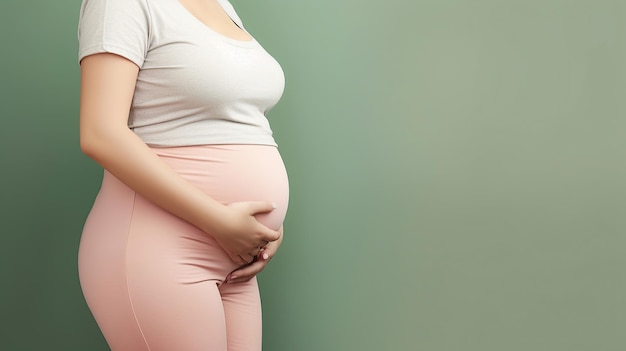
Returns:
(213, 16)
(107, 86)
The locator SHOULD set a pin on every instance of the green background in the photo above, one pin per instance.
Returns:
(457, 174)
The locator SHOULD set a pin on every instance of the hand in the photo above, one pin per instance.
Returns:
(240, 234)
(247, 272)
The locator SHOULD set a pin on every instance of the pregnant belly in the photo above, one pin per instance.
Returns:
(235, 173)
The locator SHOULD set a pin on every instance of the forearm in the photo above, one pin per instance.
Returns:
(124, 155)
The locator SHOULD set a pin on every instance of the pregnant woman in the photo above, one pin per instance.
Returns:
(174, 97)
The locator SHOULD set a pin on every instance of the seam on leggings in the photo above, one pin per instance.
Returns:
(130, 299)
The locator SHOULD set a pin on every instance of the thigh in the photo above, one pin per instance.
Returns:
(180, 317)
(172, 274)
(242, 312)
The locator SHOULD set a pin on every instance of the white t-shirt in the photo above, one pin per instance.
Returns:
(195, 85)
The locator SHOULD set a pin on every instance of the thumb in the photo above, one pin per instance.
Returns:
(255, 207)
(271, 235)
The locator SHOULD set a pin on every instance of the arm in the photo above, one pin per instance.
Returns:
(107, 87)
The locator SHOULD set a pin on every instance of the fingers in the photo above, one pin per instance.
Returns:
(270, 235)
(246, 273)
(258, 207)
(255, 207)
(268, 251)
(250, 257)
(250, 254)
(241, 260)
(249, 271)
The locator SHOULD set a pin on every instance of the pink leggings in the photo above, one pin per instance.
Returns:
(155, 282)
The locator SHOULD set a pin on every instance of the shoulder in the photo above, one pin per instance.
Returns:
(128, 7)
(122, 12)
(122, 27)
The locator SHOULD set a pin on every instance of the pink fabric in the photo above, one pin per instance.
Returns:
(153, 281)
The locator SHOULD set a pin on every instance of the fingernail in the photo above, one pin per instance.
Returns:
(266, 256)
(274, 205)
(232, 277)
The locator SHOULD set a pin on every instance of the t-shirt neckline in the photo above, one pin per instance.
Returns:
(238, 42)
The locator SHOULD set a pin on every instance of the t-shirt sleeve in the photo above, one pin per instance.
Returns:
(120, 27)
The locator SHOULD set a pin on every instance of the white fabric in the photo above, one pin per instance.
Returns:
(195, 85)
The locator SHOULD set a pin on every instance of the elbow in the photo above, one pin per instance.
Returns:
(94, 142)
(87, 144)
(85, 147)
(101, 142)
